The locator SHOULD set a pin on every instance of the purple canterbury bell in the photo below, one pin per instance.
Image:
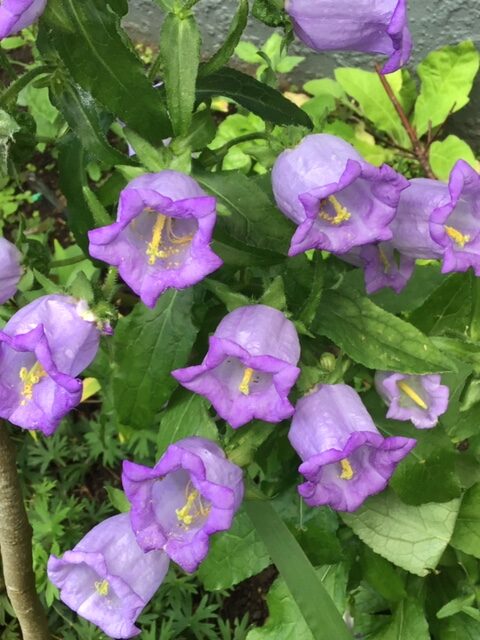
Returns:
(368, 26)
(420, 399)
(10, 269)
(192, 492)
(15, 15)
(43, 347)
(345, 458)
(383, 265)
(250, 366)
(337, 199)
(162, 235)
(107, 578)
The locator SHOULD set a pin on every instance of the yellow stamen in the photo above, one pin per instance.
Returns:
(246, 380)
(384, 260)
(30, 379)
(184, 514)
(347, 471)
(341, 213)
(457, 236)
(413, 395)
(102, 588)
(153, 247)
(176, 239)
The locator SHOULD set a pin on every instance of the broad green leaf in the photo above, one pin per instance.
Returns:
(231, 299)
(255, 96)
(226, 51)
(149, 344)
(466, 536)
(382, 576)
(411, 537)
(46, 115)
(459, 627)
(151, 158)
(366, 88)
(186, 415)
(462, 604)
(274, 295)
(445, 153)
(408, 623)
(234, 555)
(180, 52)
(249, 216)
(325, 86)
(118, 499)
(316, 606)
(87, 37)
(447, 77)
(373, 337)
(243, 443)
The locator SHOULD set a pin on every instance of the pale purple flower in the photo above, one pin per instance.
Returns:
(15, 15)
(345, 458)
(162, 235)
(10, 269)
(43, 347)
(383, 265)
(420, 399)
(338, 200)
(369, 26)
(107, 578)
(192, 492)
(250, 366)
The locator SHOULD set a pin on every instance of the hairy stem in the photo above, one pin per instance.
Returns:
(16, 546)
(421, 152)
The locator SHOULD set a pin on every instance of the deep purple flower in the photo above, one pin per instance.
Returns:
(383, 265)
(43, 347)
(107, 578)
(15, 15)
(250, 366)
(420, 399)
(368, 26)
(162, 235)
(345, 458)
(10, 269)
(192, 492)
(337, 199)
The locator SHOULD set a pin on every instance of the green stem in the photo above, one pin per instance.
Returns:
(14, 89)
(475, 318)
(110, 283)
(67, 261)
(7, 65)
(154, 68)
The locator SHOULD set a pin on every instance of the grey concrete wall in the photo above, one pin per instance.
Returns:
(433, 23)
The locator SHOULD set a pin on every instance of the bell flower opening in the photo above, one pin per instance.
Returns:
(162, 235)
(383, 265)
(192, 492)
(338, 200)
(107, 579)
(345, 458)
(420, 399)
(250, 366)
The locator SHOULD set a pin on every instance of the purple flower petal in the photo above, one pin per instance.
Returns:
(345, 458)
(192, 492)
(384, 266)
(15, 15)
(250, 366)
(10, 269)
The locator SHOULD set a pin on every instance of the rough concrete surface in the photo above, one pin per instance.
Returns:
(434, 23)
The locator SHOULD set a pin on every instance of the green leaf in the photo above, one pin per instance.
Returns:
(270, 12)
(375, 338)
(317, 608)
(460, 627)
(118, 499)
(231, 299)
(243, 443)
(411, 537)
(274, 295)
(250, 216)
(325, 87)
(180, 54)
(186, 415)
(408, 623)
(445, 153)
(255, 96)
(365, 87)
(234, 555)
(226, 51)
(151, 158)
(382, 576)
(466, 536)
(447, 77)
(149, 344)
(87, 37)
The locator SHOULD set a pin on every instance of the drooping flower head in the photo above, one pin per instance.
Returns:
(10, 269)
(250, 366)
(192, 492)
(337, 199)
(162, 235)
(345, 458)
(368, 26)
(15, 15)
(43, 347)
(420, 399)
(107, 578)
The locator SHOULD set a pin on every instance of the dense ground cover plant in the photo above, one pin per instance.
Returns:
(272, 299)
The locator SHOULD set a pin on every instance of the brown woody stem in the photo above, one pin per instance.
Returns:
(16, 546)
(421, 152)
